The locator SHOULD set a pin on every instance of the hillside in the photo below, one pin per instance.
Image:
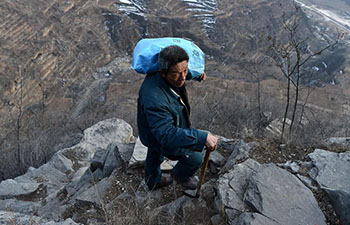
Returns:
(65, 65)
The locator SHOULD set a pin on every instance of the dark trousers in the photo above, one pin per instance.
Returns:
(188, 163)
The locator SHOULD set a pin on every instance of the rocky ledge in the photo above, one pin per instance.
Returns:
(95, 176)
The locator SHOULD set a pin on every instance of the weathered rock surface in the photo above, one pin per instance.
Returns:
(45, 187)
(95, 194)
(254, 219)
(18, 186)
(217, 159)
(231, 188)
(338, 141)
(19, 219)
(272, 192)
(245, 193)
(193, 211)
(139, 155)
(332, 173)
(240, 151)
(14, 205)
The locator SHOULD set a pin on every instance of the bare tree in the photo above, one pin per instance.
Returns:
(290, 57)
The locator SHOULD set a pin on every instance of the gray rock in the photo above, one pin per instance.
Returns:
(171, 209)
(240, 152)
(216, 220)
(14, 205)
(60, 162)
(217, 159)
(138, 157)
(98, 160)
(79, 173)
(275, 127)
(14, 187)
(331, 172)
(125, 151)
(291, 166)
(19, 219)
(85, 180)
(232, 186)
(193, 211)
(341, 204)
(62, 176)
(338, 141)
(66, 222)
(95, 194)
(280, 196)
(103, 134)
(307, 181)
(113, 160)
(255, 219)
(52, 207)
(48, 175)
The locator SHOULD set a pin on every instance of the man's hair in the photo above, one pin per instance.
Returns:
(170, 56)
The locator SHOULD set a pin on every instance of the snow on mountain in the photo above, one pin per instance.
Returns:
(202, 10)
(136, 7)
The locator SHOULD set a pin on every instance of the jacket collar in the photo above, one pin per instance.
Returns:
(167, 88)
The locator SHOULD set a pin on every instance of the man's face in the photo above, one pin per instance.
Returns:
(176, 75)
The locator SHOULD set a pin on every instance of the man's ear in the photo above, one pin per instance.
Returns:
(162, 73)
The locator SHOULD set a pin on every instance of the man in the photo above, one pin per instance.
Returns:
(163, 121)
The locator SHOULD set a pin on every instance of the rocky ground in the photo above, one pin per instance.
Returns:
(100, 181)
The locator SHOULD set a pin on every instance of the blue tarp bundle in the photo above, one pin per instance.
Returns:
(145, 56)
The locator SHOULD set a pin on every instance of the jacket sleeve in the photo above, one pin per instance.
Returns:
(162, 126)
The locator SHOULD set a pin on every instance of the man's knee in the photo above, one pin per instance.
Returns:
(196, 159)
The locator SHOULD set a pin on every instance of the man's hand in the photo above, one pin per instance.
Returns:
(203, 76)
(211, 142)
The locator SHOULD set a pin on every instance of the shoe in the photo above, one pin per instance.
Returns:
(190, 184)
(165, 181)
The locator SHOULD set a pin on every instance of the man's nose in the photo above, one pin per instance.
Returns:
(183, 76)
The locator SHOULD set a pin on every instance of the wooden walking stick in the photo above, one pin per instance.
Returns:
(201, 179)
(204, 170)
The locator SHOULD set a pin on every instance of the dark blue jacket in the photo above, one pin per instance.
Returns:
(163, 118)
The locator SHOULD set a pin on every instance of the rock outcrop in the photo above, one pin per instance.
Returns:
(331, 171)
(42, 188)
(98, 176)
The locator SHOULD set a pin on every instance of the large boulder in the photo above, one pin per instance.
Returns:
(282, 197)
(231, 188)
(16, 187)
(267, 190)
(331, 171)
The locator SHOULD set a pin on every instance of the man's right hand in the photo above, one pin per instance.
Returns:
(211, 142)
